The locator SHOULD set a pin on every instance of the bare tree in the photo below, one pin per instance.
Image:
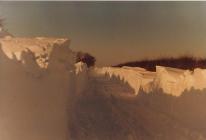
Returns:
(1, 23)
(3, 32)
(86, 58)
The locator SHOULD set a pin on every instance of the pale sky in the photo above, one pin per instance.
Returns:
(114, 32)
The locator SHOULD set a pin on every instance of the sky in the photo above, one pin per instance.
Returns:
(114, 32)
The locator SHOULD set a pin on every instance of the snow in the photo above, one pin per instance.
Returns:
(171, 81)
(81, 71)
(199, 79)
(34, 94)
(129, 76)
(40, 82)
(41, 47)
(35, 54)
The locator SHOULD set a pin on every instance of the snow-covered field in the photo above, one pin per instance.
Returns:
(45, 95)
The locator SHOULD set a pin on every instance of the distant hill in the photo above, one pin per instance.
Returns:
(184, 62)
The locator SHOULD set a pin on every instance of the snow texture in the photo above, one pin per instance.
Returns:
(43, 91)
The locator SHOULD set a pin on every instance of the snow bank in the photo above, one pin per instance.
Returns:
(81, 71)
(199, 79)
(170, 80)
(39, 82)
(129, 76)
(36, 85)
(40, 47)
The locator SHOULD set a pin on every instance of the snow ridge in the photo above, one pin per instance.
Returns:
(170, 80)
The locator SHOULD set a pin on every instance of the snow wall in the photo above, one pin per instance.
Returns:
(40, 83)
(37, 83)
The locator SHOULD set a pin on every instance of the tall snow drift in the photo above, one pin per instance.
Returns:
(36, 84)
